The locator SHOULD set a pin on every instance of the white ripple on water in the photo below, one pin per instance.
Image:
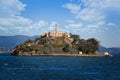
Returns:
(91, 73)
(42, 69)
(5, 64)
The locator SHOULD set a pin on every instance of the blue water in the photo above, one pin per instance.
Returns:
(59, 68)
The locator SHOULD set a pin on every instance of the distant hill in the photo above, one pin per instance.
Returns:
(3, 50)
(112, 50)
(10, 42)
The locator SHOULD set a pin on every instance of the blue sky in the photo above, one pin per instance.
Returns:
(98, 19)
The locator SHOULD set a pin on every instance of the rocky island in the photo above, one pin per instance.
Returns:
(57, 44)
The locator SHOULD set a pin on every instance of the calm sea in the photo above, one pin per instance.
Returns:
(59, 68)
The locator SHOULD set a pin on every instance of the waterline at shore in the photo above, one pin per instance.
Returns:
(89, 55)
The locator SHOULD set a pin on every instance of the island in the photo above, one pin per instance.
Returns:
(57, 43)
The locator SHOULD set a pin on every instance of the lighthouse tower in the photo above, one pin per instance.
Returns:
(56, 28)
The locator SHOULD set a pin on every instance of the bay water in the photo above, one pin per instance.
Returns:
(59, 68)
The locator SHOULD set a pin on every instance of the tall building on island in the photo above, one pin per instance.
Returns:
(56, 33)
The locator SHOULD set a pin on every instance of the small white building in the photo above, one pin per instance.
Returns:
(80, 52)
(29, 44)
(106, 54)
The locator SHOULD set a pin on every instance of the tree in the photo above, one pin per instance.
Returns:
(28, 41)
(88, 46)
(66, 48)
(93, 45)
(76, 38)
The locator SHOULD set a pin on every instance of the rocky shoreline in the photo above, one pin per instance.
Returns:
(84, 55)
(65, 54)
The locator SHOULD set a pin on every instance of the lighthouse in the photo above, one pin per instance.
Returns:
(56, 28)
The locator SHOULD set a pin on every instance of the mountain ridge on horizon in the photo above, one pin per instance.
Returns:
(10, 42)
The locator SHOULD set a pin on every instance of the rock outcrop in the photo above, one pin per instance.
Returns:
(45, 45)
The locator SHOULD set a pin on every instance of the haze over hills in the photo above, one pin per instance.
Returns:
(112, 50)
(9, 42)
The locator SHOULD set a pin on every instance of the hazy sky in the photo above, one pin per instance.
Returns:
(98, 19)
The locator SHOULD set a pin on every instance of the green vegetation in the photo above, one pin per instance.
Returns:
(76, 38)
(66, 48)
(86, 46)
(49, 45)
(58, 45)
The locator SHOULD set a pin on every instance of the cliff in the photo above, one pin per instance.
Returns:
(54, 44)
(45, 45)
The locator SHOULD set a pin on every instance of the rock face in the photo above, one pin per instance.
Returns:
(45, 45)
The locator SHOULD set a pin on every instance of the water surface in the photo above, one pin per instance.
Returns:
(59, 68)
